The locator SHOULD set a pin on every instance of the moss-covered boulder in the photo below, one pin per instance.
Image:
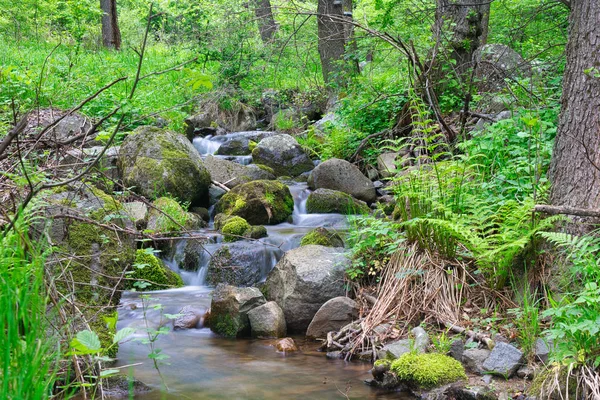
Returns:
(168, 215)
(284, 154)
(427, 370)
(240, 263)
(232, 174)
(150, 273)
(155, 162)
(257, 232)
(235, 228)
(322, 237)
(327, 201)
(229, 310)
(258, 202)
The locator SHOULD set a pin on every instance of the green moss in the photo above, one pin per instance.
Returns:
(266, 168)
(234, 228)
(251, 146)
(225, 325)
(150, 269)
(428, 370)
(384, 361)
(105, 325)
(257, 232)
(322, 237)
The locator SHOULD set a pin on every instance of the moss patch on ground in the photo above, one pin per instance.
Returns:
(428, 370)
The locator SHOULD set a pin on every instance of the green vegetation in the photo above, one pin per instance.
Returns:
(170, 216)
(149, 273)
(322, 237)
(428, 370)
(234, 228)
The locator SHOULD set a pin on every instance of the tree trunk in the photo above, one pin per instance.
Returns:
(265, 20)
(111, 35)
(574, 169)
(332, 39)
(351, 44)
(465, 25)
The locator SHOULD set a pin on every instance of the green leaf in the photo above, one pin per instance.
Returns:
(108, 372)
(122, 334)
(86, 342)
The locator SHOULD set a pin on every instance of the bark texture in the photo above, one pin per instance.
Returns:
(464, 23)
(576, 158)
(266, 22)
(332, 37)
(111, 35)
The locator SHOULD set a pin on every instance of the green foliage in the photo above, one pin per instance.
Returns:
(576, 316)
(176, 217)
(527, 322)
(372, 242)
(29, 361)
(428, 370)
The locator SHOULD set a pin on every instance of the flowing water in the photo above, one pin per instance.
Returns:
(202, 365)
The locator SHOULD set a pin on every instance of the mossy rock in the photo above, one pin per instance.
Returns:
(235, 229)
(149, 269)
(427, 370)
(327, 201)
(179, 218)
(257, 232)
(283, 154)
(259, 202)
(156, 162)
(322, 237)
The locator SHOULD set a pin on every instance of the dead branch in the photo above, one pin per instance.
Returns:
(565, 210)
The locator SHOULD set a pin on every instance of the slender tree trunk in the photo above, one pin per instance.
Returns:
(111, 35)
(574, 171)
(332, 39)
(464, 23)
(266, 22)
(351, 44)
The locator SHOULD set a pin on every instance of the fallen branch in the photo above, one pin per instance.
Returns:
(474, 335)
(219, 184)
(557, 210)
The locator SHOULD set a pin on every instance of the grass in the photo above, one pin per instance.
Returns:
(28, 356)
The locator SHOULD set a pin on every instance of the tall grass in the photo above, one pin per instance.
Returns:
(28, 355)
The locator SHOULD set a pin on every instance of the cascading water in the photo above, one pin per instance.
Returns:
(205, 366)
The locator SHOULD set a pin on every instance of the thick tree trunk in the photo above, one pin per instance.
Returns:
(332, 38)
(574, 171)
(464, 23)
(266, 22)
(111, 35)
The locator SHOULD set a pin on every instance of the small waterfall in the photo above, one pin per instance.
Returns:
(207, 145)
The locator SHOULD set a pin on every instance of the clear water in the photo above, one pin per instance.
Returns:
(202, 365)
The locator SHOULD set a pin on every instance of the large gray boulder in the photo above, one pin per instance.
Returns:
(155, 161)
(504, 360)
(239, 263)
(303, 280)
(232, 174)
(284, 154)
(340, 175)
(495, 63)
(229, 309)
(473, 359)
(267, 321)
(239, 143)
(332, 316)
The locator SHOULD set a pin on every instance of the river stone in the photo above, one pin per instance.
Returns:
(303, 280)
(421, 341)
(332, 316)
(137, 211)
(386, 164)
(267, 321)
(542, 350)
(286, 345)
(323, 237)
(327, 201)
(122, 387)
(240, 263)
(457, 349)
(231, 174)
(504, 360)
(154, 161)
(340, 175)
(284, 154)
(473, 359)
(239, 143)
(259, 202)
(229, 309)
(395, 349)
(188, 319)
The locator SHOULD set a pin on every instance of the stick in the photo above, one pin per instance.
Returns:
(557, 210)
(225, 188)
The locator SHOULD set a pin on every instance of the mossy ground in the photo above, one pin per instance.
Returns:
(152, 271)
(428, 370)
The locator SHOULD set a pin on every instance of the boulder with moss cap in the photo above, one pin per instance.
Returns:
(327, 201)
(258, 202)
(323, 237)
(341, 175)
(151, 273)
(154, 161)
(284, 154)
(168, 215)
